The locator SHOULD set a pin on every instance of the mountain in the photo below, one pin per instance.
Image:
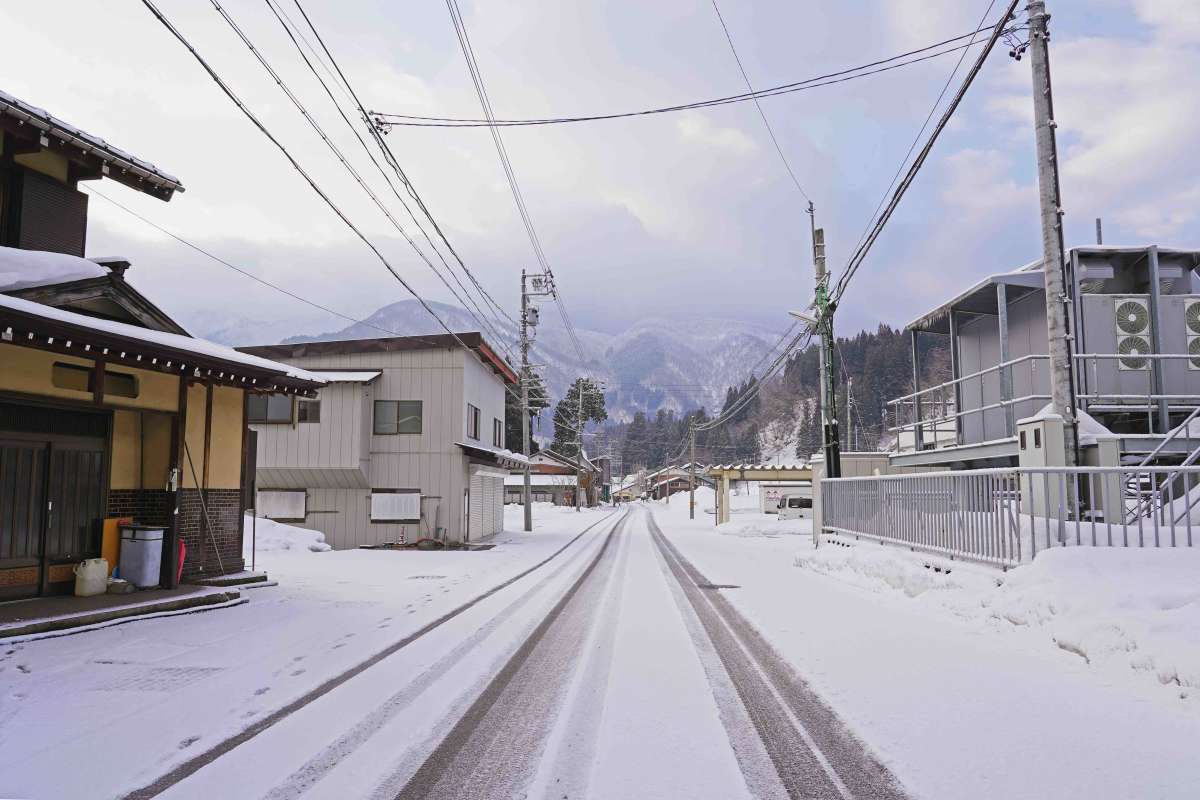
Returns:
(664, 362)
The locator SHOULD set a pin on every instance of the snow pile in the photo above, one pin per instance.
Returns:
(879, 570)
(274, 536)
(1119, 609)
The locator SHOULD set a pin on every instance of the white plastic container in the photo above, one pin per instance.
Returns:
(91, 577)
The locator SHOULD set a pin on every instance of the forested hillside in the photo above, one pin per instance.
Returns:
(782, 421)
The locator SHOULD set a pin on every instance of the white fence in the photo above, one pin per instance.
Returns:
(1005, 516)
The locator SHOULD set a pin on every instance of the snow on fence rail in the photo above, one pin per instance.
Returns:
(1005, 516)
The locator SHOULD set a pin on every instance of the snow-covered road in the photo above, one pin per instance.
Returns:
(608, 673)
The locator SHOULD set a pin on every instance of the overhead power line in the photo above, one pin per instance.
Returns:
(852, 73)
(225, 88)
(464, 41)
(864, 248)
(750, 91)
(341, 157)
(390, 157)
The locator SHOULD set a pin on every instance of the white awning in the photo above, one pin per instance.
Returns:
(346, 377)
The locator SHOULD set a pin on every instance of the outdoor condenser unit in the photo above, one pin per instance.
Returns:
(1191, 317)
(1132, 318)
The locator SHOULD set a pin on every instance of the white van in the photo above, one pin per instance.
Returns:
(796, 504)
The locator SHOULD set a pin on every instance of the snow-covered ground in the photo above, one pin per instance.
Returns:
(125, 704)
(1075, 676)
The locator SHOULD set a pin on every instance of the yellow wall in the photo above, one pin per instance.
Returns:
(126, 450)
(156, 450)
(226, 469)
(45, 162)
(26, 370)
(141, 452)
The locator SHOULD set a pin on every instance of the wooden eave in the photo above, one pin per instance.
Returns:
(26, 330)
(88, 161)
(60, 295)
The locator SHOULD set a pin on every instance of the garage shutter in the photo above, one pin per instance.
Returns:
(475, 523)
(497, 505)
(53, 216)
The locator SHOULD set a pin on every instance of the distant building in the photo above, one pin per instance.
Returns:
(405, 442)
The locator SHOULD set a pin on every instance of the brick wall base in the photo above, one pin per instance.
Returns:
(214, 551)
(146, 506)
(209, 553)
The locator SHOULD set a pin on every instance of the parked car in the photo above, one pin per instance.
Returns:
(796, 504)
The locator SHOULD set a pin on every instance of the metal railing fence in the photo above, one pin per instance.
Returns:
(1005, 517)
(932, 417)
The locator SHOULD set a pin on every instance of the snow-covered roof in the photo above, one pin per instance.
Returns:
(761, 467)
(541, 479)
(67, 133)
(173, 342)
(22, 269)
(347, 377)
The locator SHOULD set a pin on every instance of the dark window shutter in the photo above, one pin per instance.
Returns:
(53, 216)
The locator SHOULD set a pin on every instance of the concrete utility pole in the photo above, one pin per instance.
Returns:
(824, 308)
(1062, 374)
(579, 448)
(692, 471)
(525, 497)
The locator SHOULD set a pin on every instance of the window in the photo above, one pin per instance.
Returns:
(799, 502)
(397, 416)
(472, 422)
(395, 505)
(289, 506)
(498, 433)
(81, 379)
(308, 411)
(269, 409)
(541, 497)
(1037, 438)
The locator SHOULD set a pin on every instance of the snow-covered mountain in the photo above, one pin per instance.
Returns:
(665, 362)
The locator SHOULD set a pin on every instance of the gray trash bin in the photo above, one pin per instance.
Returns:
(141, 554)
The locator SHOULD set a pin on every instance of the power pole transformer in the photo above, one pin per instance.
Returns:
(824, 329)
(1054, 265)
(529, 319)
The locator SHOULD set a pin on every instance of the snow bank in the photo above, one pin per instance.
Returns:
(275, 536)
(1119, 609)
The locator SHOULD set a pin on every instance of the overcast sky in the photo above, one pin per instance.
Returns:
(689, 213)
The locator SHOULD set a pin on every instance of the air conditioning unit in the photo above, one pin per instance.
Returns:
(1132, 318)
(1191, 318)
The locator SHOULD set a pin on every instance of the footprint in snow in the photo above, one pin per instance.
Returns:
(298, 658)
(262, 691)
(339, 644)
(188, 742)
(298, 672)
(24, 668)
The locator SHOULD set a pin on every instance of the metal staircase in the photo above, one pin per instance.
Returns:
(1142, 496)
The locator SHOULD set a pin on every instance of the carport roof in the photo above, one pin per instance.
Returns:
(980, 298)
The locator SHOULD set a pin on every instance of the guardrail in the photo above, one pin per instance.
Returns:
(1005, 517)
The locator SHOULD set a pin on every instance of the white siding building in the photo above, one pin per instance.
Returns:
(405, 442)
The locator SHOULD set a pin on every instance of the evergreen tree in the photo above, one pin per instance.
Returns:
(633, 450)
(568, 420)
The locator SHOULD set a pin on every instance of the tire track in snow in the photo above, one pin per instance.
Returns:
(815, 754)
(320, 765)
(194, 764)
(495, 747)
(567, 766)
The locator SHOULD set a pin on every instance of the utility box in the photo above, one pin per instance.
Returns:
(141, 555)
(1040, 443)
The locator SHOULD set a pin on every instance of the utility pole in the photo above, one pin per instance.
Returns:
(1062, 374)
(525, 399)
(692, 470)
(824, 308)
(529, 319)
(579, 448)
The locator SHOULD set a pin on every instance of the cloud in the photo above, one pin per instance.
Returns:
(697, 129)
